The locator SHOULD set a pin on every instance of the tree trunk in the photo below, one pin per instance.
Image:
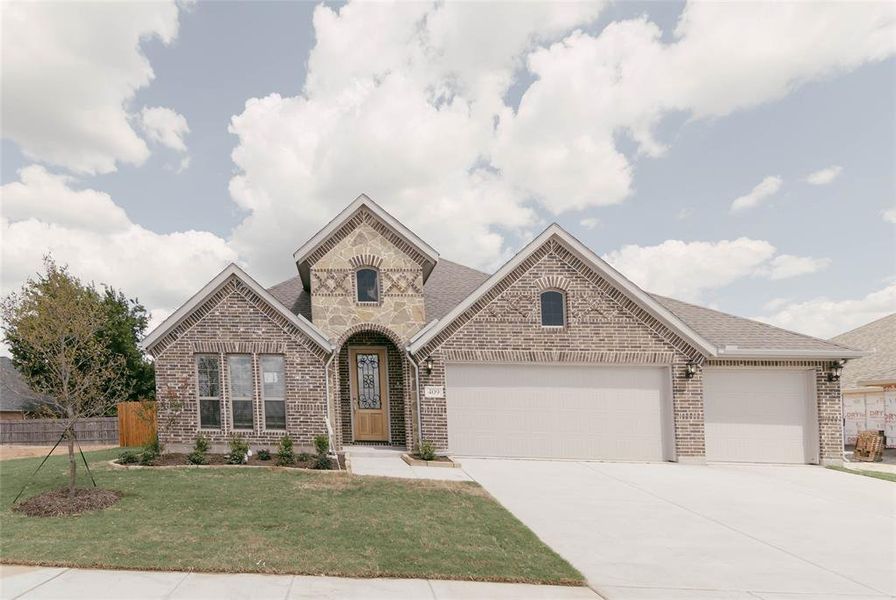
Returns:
(72, 465)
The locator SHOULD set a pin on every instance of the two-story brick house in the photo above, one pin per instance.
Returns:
(378, 340)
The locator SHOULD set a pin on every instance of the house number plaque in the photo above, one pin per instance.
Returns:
(434, 391)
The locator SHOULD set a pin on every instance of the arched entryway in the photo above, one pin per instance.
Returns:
(371, 389)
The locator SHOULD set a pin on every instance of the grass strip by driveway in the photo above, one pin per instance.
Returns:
(875, 474)
(266, 521)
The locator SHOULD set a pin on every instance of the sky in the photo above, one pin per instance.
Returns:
(741, 156)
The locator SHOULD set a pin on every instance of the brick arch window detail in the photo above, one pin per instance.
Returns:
(552, 282)
(552, 304)
(366, 260)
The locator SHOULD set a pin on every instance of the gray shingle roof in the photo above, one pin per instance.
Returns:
(878, 336)
(724, 330)
(450, 283)
(15, 395)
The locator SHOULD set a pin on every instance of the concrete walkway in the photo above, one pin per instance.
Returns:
(44, 583)
(386, 462)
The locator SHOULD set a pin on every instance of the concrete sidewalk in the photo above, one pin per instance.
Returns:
(45, 583)
(386, 462)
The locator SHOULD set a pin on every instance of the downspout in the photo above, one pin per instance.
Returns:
(417, 391)
(329, 414)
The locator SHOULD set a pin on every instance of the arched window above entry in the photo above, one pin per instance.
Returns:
(367, 285)
(553, 309)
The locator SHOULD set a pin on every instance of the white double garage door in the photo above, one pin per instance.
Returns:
(625, 413)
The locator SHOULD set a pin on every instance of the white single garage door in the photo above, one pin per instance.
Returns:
(760, 415)
(559, 411)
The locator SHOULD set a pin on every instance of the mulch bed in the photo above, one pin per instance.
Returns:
(171, 459)
(57, 502)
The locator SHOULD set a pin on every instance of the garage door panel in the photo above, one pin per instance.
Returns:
(759, 415)
(557, 411)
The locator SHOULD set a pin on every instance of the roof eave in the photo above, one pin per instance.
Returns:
(302, 254)
(794, 354)
(641, 297)
(185, 310)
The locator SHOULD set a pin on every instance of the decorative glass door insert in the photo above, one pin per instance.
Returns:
(368, 381)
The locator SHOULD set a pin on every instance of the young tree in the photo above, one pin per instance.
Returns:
(54, 327)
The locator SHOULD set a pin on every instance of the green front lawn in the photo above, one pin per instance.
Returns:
(259, 520)
(875, 474)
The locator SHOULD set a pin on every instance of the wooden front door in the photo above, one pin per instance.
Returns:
(370, 393)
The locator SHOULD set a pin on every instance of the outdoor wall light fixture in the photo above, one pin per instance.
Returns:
(690, 370)
(836, 370)
(427, 364)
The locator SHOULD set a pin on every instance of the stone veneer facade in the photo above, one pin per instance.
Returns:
(334, 305)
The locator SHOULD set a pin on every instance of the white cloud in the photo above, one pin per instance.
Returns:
(589, 222)
(890, 215)
(687, 270)
(826, 318)
(416, 116)
(49, 198)
(785, 266)
(765, 189)
(824, 176)
(85, 229)
(165, 126)
(69, 72)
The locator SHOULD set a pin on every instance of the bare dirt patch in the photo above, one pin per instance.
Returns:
(57, 503)
(8, 451)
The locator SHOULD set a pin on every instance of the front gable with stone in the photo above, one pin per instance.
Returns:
(556, 355)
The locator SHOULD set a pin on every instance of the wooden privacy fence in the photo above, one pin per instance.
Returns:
(136, 423)
(46, 432)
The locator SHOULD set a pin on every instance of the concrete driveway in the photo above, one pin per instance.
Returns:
(667, 531)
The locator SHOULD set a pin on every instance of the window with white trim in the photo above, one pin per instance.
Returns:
(273, 391)
(208, 389)
(367, 285)
(242, 390)
(553, 309)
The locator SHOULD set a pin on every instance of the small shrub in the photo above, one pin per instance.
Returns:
(304, 457)
(201, 444)
(128, 457)
(239, 448)
(197, 458)
(322, 462)
(321, 444)
(427, 450)
(264, 454)
(285, 454)
(151, 451)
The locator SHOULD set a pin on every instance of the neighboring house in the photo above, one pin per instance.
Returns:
(869, 383)
(555, 355)
(16, 398)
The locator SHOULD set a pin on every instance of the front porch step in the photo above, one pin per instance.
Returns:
(374, 451)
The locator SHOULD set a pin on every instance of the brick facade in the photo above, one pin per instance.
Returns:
(604, 326)
(234, 321)
(396, 369)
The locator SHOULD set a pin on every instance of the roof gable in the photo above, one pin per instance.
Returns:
(212, 287)
(556, 233)
(363, 209)
(879, 339)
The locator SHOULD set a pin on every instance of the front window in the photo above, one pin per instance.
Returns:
(273, 391)
(552, 309)
(208, 386)
(242, 390)
(367, 285)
